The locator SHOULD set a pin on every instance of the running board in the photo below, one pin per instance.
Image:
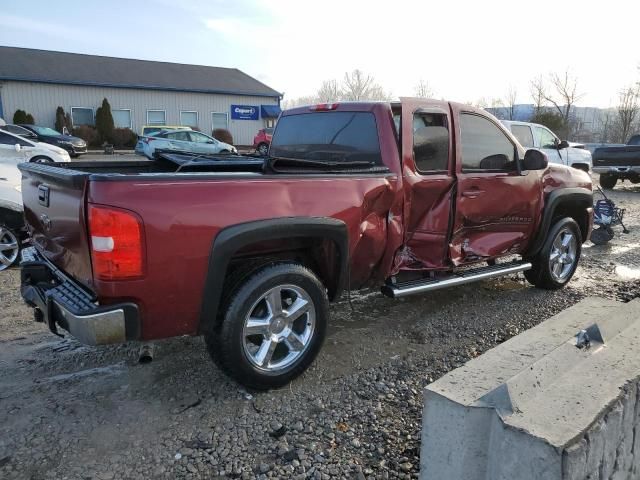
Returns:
(454, 279)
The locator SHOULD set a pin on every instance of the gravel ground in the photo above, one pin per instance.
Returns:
(70, 411)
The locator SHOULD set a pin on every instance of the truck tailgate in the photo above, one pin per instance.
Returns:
(54, 208)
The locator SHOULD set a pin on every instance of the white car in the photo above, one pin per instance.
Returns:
(184, 141)
(15, 150)
(533, 135)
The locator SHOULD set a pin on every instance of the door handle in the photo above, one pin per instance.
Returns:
(473, 193)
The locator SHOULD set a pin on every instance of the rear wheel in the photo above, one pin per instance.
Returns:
(273, 326)
(9, 247)
(558, 259)
(608, 181)
(263, 149)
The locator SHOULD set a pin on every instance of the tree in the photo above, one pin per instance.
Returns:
(423, 90)
(565, 95)
(627, 112)
(538, 90)
(357, 86)
(29, 120)
(512, 94)
(60, 119)
(553, 121)
(20, 116)
(104, 122)
(329, 92)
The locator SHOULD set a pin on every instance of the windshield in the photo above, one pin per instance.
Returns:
(45, 130)
(328, 136)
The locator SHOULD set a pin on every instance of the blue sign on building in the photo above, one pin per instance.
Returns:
(245, 112)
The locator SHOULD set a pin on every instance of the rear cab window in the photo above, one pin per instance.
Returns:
(430, 142)
(333, 136)
(523, 134)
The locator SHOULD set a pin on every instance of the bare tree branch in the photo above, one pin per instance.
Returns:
(565, 95)
(627, 112)
(537, 89)
(423, 90)
(512, 94)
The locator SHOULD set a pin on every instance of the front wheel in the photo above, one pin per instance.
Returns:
(9, 247)
(555, 264)
(608, 181)
(273, 326)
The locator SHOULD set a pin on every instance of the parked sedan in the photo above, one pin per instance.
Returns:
(74, 145)
(184, 141)
(15, 149)
(21, 131)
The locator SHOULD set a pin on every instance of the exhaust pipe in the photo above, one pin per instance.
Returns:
(146, 353)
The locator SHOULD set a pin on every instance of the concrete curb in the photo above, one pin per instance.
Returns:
(538, 407)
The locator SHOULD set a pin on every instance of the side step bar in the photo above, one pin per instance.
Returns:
(458, 278)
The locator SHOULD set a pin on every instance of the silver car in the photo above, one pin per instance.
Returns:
(183, 141)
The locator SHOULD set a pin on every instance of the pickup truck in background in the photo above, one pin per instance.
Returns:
(534, 135)
(412, 196)
(618, 163)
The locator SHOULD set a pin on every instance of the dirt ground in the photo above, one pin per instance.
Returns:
(70, 411)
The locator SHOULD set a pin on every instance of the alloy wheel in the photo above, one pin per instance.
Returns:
(563, 255)
(279, 328)
(9, 248)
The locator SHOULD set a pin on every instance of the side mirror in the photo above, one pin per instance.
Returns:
(17, 147)
(563, 144)
(534, 160)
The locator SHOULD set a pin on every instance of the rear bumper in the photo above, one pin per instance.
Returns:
(60, 302)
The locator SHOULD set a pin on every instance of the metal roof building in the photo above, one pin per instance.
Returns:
(140, 92)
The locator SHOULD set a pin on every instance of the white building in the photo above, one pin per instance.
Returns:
(140, 92)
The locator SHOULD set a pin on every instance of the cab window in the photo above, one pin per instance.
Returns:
(547, 138)
(523, 135)
(484, 145)
(430, 142)
(199, 137)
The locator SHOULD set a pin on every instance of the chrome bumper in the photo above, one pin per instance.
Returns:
(618, 170)
(59, 302)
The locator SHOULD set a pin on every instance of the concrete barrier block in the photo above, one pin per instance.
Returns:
(538, 407)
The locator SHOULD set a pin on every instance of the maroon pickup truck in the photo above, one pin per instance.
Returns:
(413, 196)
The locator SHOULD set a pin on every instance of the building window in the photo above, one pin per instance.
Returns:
(121, 118)
(189, 119)
(156, 117)
(219, 120)
(82, 116)
(270, 122)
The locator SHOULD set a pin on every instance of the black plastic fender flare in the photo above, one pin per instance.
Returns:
(571, 195)
(231, 239)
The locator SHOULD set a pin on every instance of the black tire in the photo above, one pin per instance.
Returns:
(9, 258)
(262, 149)
(540, 274)
(41, 159)
(608, 181)
(74, 155)
(226, 344)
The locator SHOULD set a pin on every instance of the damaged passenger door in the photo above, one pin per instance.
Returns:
(427, 163)
(495, 204)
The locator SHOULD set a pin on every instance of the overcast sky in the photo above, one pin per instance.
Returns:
(465, 50)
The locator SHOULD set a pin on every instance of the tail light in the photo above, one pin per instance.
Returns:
(323, 107)
(116, 243)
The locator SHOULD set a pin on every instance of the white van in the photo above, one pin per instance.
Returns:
(533, 135)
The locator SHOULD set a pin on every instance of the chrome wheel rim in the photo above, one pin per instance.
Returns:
(278, 328)
(563, 255)
(9, 248)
